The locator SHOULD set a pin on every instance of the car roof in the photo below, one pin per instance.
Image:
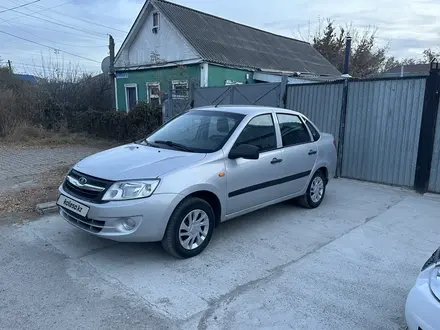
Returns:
(246, 109)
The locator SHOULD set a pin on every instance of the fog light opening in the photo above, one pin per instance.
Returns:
(128, 223)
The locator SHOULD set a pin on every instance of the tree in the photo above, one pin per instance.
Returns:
(429, 55)
(366, 58)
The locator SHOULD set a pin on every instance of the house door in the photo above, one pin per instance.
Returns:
(131, 95)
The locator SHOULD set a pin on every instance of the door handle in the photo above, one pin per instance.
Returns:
(312, 152)
(276, 160)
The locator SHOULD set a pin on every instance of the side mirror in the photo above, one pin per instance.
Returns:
(246, 151)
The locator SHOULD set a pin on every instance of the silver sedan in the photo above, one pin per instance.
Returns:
(205, 166)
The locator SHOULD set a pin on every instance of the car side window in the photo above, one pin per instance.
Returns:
(260, 132)
(293, 130)
(313, 130)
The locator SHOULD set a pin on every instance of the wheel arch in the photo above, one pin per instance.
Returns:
(323, 170)
(210, 196)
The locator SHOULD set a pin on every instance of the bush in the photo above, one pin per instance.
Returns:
(115, 125)
(63, 106)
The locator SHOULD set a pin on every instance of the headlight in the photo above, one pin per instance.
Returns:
(434, 282)
(130, 190)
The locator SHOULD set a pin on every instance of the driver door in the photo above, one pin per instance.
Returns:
(251, 183)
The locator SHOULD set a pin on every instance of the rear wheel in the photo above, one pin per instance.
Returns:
(189, 229)
(315, 191)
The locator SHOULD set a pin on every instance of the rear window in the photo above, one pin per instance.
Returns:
(313, 130)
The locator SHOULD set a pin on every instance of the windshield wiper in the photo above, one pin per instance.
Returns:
(174, 145)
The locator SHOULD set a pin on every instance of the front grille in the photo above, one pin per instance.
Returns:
(93, 226)
(83, 193)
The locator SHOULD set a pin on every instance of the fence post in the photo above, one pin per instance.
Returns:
(191, 94)
(283, 92)
(341, 135)
(427, 129)
(231, 94)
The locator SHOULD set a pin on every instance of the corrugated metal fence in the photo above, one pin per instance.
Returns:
(321, 103)
(434, 180)
(382, 130)
(381, 127)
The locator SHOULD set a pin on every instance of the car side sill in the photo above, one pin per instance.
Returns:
(257, 207)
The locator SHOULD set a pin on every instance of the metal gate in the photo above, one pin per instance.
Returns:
(178, 101)
(382, 130)
(256, 94)
(434, 180)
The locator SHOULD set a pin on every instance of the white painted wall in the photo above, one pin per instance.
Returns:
(168, 43)
(272, 78)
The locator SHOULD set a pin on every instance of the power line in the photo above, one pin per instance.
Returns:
(26, 4)
(64, 32)
(51, 41)
(37, 43)
(65, 3)
(61, 24)
(77, 18)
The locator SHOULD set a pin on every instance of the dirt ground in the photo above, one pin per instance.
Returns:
(30, 173)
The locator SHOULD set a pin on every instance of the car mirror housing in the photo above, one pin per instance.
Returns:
(246, 151)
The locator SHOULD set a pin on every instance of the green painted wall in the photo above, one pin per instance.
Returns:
(161, 75)
(218, 74)
(216, 77)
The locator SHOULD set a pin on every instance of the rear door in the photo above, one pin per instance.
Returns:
(252, 182)
(299, 153)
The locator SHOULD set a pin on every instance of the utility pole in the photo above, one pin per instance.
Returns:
(111, 46)
(10, 66)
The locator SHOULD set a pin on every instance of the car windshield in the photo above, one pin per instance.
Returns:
(197, 131)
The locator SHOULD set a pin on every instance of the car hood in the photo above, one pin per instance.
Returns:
(133, 161)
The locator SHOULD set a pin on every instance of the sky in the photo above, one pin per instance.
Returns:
(72, 36)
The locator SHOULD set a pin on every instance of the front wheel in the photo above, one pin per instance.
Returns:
(189, 229)
(315, 192)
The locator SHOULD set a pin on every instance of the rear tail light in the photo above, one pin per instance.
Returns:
(334, 143)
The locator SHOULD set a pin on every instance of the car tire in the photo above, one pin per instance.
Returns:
(184, 220)
(315, 192)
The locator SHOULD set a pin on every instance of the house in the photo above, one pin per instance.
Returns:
(27, 78)
(407, 71)
(170, 45)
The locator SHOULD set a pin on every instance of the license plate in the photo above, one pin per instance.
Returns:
(73, 205)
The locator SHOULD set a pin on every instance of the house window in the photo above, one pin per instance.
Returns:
(180, 89)
(232, 82)
(155, 20)
(153, 93)
(131, 96)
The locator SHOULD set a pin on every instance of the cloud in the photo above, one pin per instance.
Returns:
(407, 27)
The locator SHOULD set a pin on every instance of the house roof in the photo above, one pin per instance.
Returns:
(224, 42)
(411, 68)
(27, 77)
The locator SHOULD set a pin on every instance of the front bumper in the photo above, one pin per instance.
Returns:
(105, 220)
(422, 309)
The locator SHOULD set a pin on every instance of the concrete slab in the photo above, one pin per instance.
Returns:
(359, 281)
(43, 289)
(309, 268)
(57, 232)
